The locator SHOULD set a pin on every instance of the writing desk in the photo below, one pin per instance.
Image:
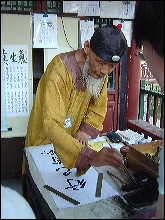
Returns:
(45, 208)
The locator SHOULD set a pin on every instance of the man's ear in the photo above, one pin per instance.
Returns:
(87, 47)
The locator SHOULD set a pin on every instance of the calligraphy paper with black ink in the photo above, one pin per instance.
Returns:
(54, 174)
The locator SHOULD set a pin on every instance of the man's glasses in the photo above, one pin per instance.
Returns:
(140, 55)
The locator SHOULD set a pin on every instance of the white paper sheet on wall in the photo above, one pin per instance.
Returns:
(44, 31)
(117, 9)
(3, 102)
(126, 29)
(71, 6)
(110, 9)
(55, 175)
(15, 68)
(89, 8)
(86, 30)
(127, 9)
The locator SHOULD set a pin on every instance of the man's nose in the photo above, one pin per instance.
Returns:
(105, 69)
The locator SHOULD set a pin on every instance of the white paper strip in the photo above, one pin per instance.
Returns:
(15, 63)
(55, 175)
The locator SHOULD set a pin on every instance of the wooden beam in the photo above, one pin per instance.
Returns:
(146, 128)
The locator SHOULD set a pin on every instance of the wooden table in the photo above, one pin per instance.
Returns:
(45, 207)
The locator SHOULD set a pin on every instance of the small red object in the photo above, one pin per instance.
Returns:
(119, 26)
(124, 149)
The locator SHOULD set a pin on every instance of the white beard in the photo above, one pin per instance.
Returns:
(93, 85)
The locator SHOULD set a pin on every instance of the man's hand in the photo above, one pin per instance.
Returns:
(108, 156)
(82, 137)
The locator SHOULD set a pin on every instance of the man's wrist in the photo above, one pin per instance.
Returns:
(85, 157)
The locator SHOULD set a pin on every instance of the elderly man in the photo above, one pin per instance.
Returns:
(71, 101)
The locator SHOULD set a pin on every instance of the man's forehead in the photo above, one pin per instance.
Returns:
(103, 61)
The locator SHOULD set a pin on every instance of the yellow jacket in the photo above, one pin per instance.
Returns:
(61, 94)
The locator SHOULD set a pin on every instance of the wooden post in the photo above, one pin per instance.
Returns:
(133, 85)
(38, 5)
(44, 8)
(141, 100)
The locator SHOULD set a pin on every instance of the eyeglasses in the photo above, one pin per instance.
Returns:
(140, 55)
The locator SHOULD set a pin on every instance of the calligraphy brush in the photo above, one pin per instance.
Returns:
(116, 177)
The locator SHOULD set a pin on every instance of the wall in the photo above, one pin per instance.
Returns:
(16, 30)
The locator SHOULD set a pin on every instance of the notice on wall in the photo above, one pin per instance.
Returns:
(117, 9)
(86, 30)
(3, 102)
(44, 31)
(126, 29)
(71, 6)
(55, 175)
(89, 8)
(15, 73)
(127, 9)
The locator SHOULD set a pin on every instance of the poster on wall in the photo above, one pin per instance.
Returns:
(127, 9)
(117, 9)
(44, 30)
(126, 29)
(86, 30)
(3, 102)
(71, 6)
(89, 8)
(15, 79)
(109, 9)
